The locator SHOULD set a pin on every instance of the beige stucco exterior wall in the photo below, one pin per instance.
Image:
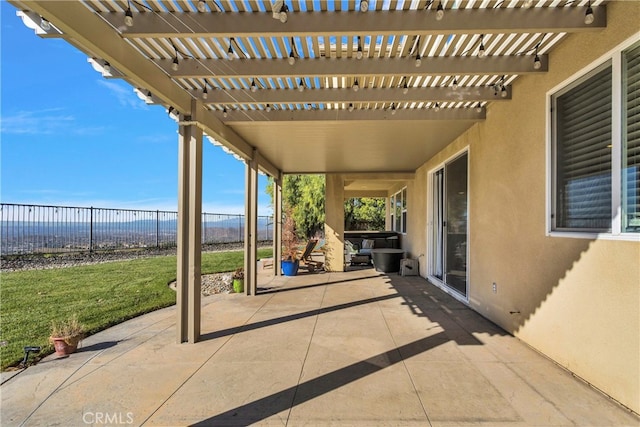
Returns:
(578, 299)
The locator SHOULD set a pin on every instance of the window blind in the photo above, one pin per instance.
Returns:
(583, 154)
(631, 140)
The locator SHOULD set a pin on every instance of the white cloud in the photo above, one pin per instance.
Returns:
(38, 122)
(52, 121)
(126, 97)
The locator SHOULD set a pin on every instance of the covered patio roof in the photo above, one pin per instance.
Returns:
(350, 86)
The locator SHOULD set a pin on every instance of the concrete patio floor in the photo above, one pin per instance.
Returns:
(356, 348)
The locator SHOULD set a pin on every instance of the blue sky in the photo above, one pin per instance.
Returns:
(70, 137)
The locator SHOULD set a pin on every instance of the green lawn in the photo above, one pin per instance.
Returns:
(101, 295)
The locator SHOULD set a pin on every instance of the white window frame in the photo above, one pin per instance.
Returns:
(392, 212)
(393, 199)
(616, 233)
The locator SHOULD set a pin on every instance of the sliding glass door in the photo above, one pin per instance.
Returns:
(449, 226)
(437, 243)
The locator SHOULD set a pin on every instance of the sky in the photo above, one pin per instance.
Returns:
(69, 137)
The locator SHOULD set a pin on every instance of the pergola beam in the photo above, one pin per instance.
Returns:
(414, 94)
(346, 67)
(300, 24)
(349, 177)
(255, 116)
(351, 194)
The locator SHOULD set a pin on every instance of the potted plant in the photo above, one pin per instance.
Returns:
(290, 261)
(238, 280)
(66, 334)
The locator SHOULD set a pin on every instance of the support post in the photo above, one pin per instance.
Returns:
(250, 226)
(189, 242)
(277, 224)
(334, 222)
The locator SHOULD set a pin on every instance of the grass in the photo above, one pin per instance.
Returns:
(101, 295)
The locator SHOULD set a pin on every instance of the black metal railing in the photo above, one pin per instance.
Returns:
(27, 229)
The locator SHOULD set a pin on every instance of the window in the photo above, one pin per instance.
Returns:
(392, 210)
(595, 162)
(398, 209)
(404, 210)
(631, 140)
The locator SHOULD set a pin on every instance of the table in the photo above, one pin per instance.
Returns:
(360, 259)
(387, 260)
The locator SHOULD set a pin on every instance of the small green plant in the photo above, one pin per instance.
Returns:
(67, 328)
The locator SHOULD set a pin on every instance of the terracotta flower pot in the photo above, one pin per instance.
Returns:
(65, 345)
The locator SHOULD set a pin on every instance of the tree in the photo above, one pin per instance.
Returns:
(365, 213)
(303, 196)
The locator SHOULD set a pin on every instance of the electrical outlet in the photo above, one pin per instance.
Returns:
(495, 288)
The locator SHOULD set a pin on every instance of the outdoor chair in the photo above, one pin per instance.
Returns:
(305, 257)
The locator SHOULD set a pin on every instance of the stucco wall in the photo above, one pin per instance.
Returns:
(578, 299)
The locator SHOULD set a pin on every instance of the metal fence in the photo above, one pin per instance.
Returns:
(26, 229)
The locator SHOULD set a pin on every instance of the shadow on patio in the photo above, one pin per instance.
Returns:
(357, 348)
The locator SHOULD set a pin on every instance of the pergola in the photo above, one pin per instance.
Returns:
(367, 89)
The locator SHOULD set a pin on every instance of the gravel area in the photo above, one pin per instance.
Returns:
(217, 283)
(61, 260)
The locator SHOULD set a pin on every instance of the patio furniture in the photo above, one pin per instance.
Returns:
(359, 244)
(311, 264)
(381, 239)
(387, 260)
(361, 259)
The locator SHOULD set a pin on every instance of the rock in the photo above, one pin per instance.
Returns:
(217, 283)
